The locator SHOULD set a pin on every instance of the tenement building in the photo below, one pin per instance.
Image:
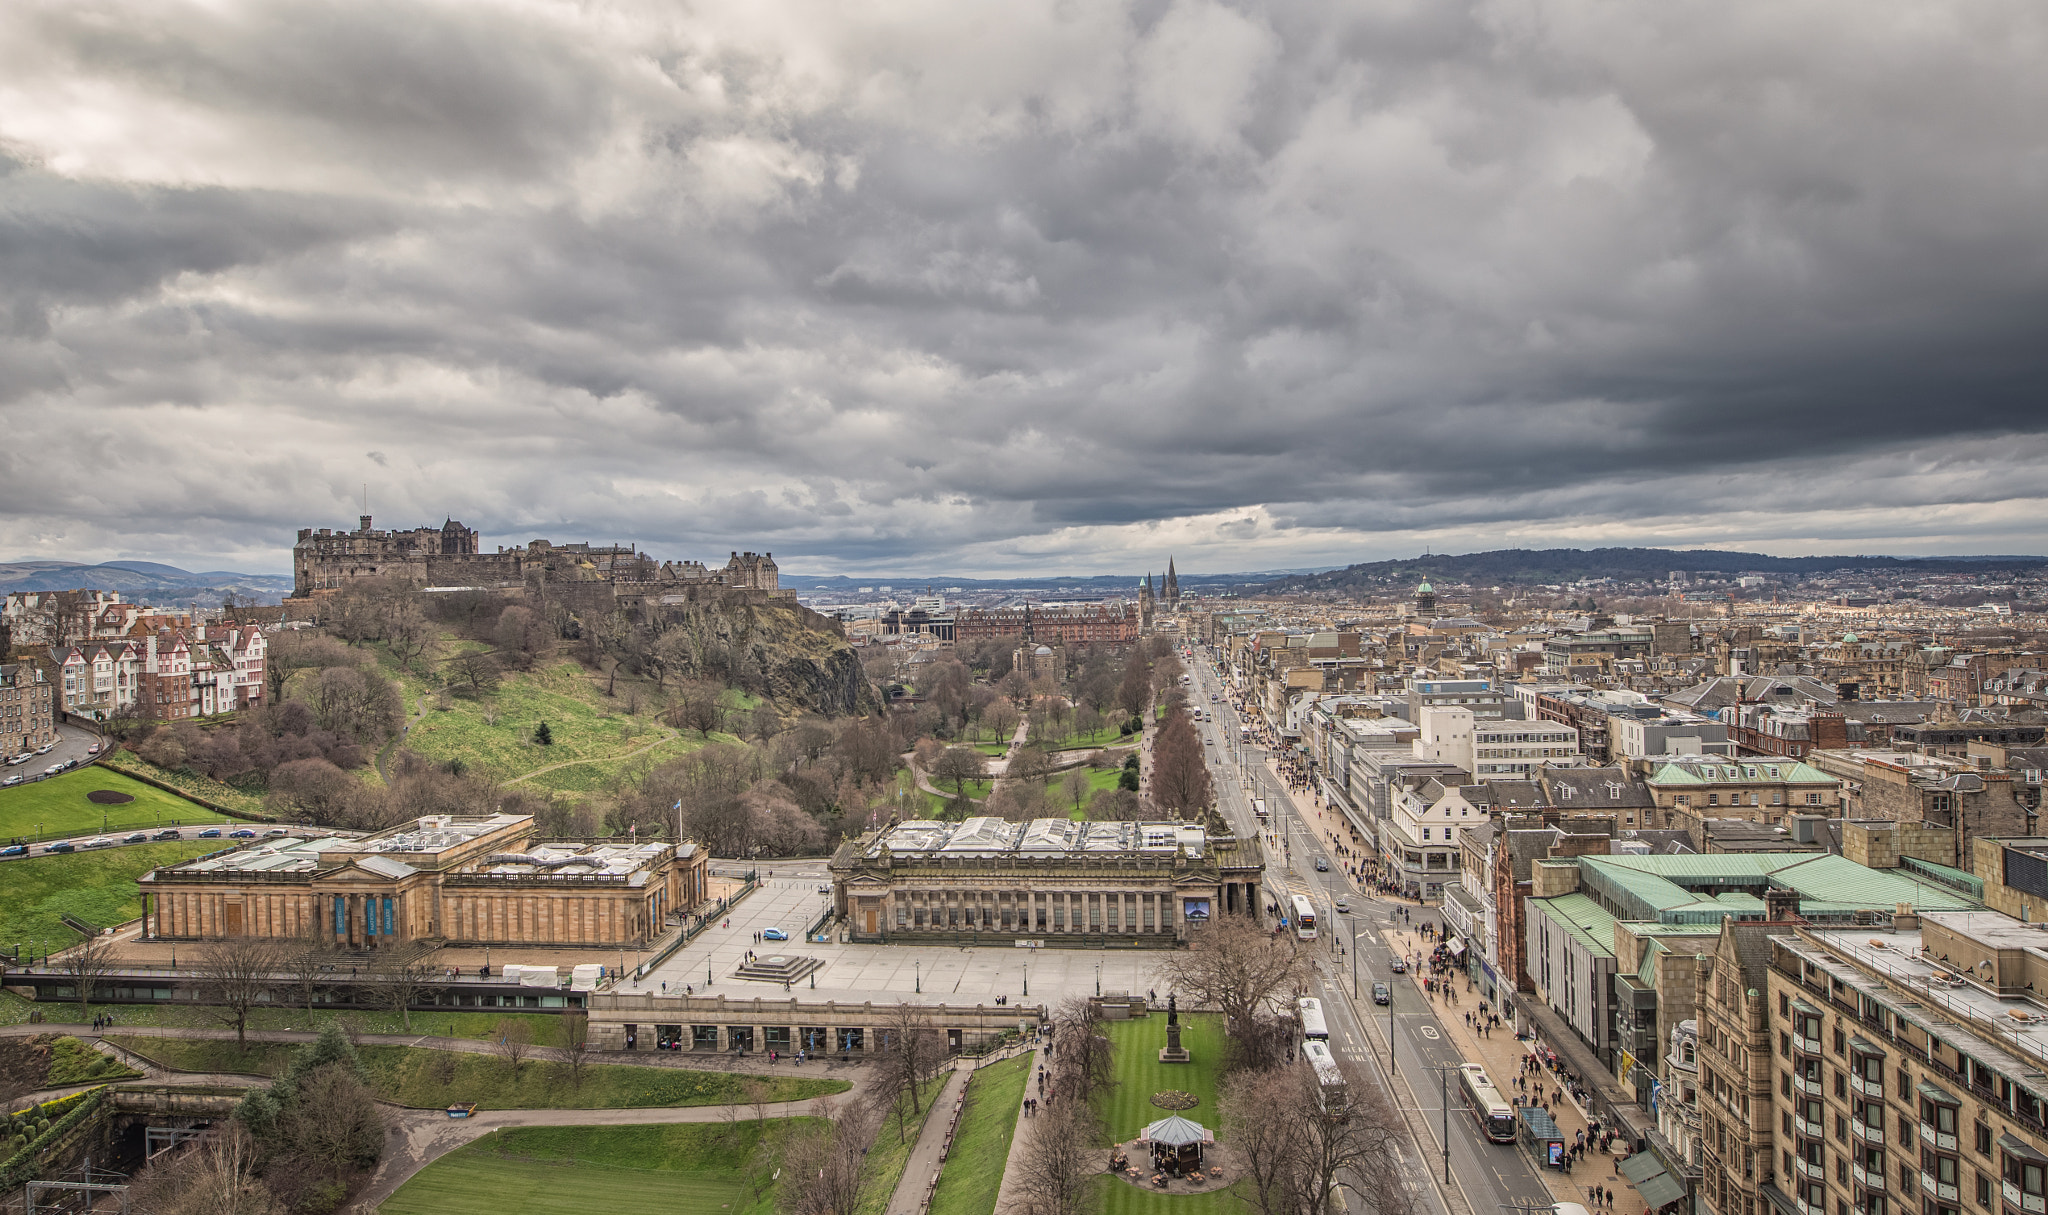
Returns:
(1908, 1068)
(1049, 879)
(27, 709)
(461, 880)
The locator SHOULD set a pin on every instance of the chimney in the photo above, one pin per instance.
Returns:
(1781, 903)
(1903, 918)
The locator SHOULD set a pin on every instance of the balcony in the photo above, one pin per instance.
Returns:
(2019, 1200)
(1947, 1193)
(1869, 1179)
(1805, 1045)
(1812, 1130)
(1808, 1168)
(1865, 1133)
(1873, 1089)
(1946, 1143)
(1812, 1088)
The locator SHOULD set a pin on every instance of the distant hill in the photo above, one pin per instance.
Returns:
(1561, 565)
(143, 581)
(1079, 584)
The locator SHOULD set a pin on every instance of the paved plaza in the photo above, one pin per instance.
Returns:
(932, 974)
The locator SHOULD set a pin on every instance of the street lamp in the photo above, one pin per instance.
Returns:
(917, 974)
(1098, 976)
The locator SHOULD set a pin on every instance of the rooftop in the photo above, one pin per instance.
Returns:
(981, 837)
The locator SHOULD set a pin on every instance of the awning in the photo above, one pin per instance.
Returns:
(1457, 945)
(1937, 1095)
(2018, 1147)
(1804, 1007)
(1652, 1180)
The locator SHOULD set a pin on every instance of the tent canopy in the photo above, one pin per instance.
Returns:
(1176, 1131)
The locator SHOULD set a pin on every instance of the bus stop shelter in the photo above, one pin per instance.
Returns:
(1540, 1135)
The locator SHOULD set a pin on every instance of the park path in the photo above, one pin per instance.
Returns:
(668, 737)
(1008, 1200)
(928, 1152)
(390, 749)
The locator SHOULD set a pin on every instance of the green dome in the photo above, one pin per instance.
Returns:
(1425, 589)
(1849, 639)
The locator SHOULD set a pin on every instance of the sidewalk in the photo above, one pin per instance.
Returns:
(1503, 1054)
(1006, 1193)
(928, 1153)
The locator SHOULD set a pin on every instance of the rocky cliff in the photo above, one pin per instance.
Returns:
(775, 647)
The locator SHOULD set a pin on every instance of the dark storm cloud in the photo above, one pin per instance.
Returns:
(1038, 284)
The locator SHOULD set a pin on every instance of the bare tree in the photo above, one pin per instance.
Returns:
(1300, 1145)
(576, 1045)
(1180, 769)
(400, 977)
(513, 1041)
(959, 765)
(238, 973)
(1076, 785)
(87, 964)
(1258, 1110)
(1085, 1064)
(1059, 1160)
(307, 964)
(213, 1176)
(1235, 965)
(822, 1166)
(912, 1052)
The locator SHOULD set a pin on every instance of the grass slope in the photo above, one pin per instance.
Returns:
(544, 1027)
(233, 797)
(428, 1079)
(891, 1153)
(1139, 1073)
(1121, 1198)
(981, 1145)
(585, 725)
(58, 806)
(73, 1062)
(97, 887)
(675, 1169)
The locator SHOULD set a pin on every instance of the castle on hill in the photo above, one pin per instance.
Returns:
(325, 561)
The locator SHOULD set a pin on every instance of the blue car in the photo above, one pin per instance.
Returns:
(211, 833)
(62, 846)
(17, 850)
(243, 834)
(774, 934)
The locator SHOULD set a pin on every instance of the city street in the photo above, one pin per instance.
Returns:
(1489, 1175)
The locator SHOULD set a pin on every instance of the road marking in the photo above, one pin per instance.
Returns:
(1429, 1031)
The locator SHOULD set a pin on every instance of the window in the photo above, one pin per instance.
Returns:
(1983, 1140)
(1983, 1190)
(1713, 799)
(1813, 799)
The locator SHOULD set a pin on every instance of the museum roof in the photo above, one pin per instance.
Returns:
(987, 836)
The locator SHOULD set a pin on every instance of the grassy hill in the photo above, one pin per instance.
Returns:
(97, 887)
(58, 807)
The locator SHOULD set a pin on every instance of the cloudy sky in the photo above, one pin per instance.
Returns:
(1022, 285)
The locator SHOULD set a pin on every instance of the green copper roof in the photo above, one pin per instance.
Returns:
(1582, 918)
(1695, 888)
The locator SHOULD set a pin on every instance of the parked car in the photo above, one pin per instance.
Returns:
(53, 769)
(140, 837)
(1400, 967)
(62, 846)
(46, 748)
(211, 833)
(16, 850)
(22, 758)
(824, 888)
(774, 934)
(93, 749)
(169, 833)
(1382, 994)
(277, 831)
(100, 841)
(16, 779)
(243, 834)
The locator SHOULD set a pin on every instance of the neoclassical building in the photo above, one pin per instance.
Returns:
(460, 880)
(1053, 879)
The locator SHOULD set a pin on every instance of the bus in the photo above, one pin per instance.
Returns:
(1304, 918)
(1313, 1027)
(1329, 1077)
(1492, 1111)
(1259, 808)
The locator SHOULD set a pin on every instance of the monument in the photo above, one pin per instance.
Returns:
(1173, 1052)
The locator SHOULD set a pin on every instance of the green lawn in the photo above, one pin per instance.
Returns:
(73, 1062)
(237, 799)
(1106, 737)
(1122, 1198)
(670, 1169)
(1128, 1107)
(58, 807)
(585, 726)
(981, 1145)
(544, 1027)
(995, 750)
(886, 1160)
(427, 1079)
(97, 887)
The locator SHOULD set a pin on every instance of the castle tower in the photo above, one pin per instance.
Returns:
(1172, 587)
(1146, 603)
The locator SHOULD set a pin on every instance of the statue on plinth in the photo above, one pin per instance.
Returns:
(1173, 1052)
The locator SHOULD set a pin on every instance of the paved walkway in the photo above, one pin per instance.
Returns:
(1007, 1198)
(1504, 1057)
(928, 1153)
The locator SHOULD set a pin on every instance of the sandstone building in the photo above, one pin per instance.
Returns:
(1049, 879)
(456, 879)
